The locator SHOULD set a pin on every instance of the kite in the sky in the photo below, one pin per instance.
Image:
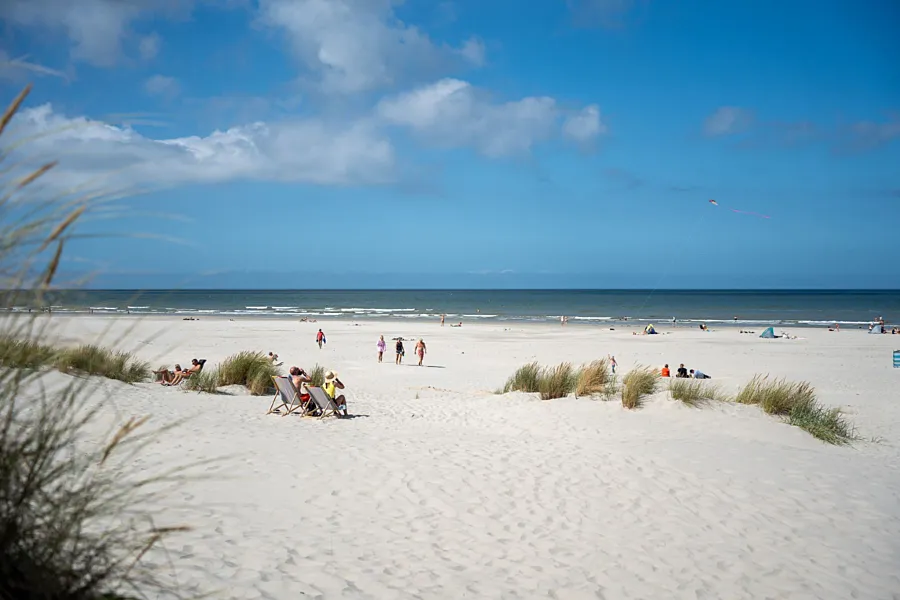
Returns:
(743, 212)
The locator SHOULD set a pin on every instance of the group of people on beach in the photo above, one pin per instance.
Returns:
(167, 377)
(400, 350)
(332, 384)
(683, 373)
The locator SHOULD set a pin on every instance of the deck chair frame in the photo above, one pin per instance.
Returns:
(289, 396)
(323, 401)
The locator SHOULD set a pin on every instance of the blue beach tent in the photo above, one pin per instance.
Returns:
(878, 328)
(768, 334)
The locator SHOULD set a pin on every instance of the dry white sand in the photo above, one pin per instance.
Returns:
(440, 489)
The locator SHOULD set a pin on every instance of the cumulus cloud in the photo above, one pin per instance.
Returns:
(454, 113)
(162, 85)
(111, 157)
(359, 45)
(865, 135)
(727, 120)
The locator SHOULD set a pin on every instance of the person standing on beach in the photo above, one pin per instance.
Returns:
(400, 351)
(320, 339)
(442, 319)
(420, 350)
(613, 363)
(381, 346)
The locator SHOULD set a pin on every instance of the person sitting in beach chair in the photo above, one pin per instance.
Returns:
(300, 379)
(165, 376)
(331, 386)
(681, 372)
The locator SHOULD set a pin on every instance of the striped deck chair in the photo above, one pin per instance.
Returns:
(324, 402)
(289, 397)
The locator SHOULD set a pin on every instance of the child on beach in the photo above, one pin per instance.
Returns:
(400, 351)
(613, 363)
(381, 346)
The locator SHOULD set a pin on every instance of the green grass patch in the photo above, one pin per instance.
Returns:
(206, 380)
(525, 379)
(694, 392)
(25, 354)
(638, 383)
(89, 359)
(796, 403)
(253, 370)
(557, 382)
(317, 376)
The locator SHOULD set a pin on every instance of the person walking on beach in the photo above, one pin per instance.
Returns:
(320, 339)
(442, 319)
(400, 351)
(613, 363)
(381, 346)
(420, 350)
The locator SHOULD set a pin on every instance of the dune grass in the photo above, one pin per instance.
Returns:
(317, 376)
(796, 403)
(557, 382)
(694, 392)
(95, 360)
(253, 370)
(18, 353)
(72, 524)
(525, 379)
(206, 381)
(595, 379)
(638, 383)
(88, 359)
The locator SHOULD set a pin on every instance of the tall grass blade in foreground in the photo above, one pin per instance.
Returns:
(557, 382)
(594, 379)
(693, 392)
(75, 521)
(638, 383)
(796, 403)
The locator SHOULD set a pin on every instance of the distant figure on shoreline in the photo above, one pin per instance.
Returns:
(442, 319)
(457, 325)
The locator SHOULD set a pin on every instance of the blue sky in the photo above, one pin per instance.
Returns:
(552, 143)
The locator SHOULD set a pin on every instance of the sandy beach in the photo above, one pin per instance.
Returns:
(438, 488)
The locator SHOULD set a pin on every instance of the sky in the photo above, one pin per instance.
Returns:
(464, 143)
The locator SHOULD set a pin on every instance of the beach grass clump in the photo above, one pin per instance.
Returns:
(557, 382)
(74, 516)
(638, 383)
(206, 380)
(694, 393)
(89, 359)
(16, 353)
(796, 403)
(252, 370)
(317, 376)
(527, 378)
(594, 379)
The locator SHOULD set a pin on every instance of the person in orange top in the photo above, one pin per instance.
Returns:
(665, 371)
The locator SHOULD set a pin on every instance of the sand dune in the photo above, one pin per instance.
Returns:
(439, 489)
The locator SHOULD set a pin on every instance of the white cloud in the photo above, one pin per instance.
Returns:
(585, 125)
(161, 85)
(727, 120)
(112, 157)
(453, 113)
(358, 45)
(149, 46)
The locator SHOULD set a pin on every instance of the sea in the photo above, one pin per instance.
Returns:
(812, 308)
